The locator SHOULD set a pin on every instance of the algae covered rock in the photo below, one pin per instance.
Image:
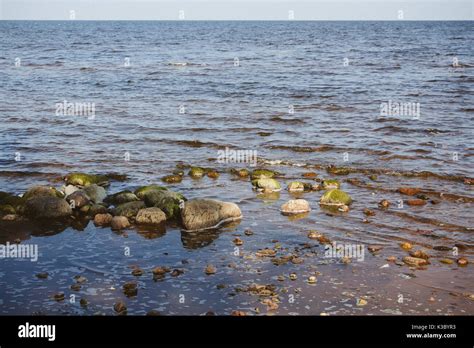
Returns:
(82, 179)
(172, 179)
(129, 210)
(200, 214)
(150, 216)
(197, 172)
(168, 201)
(266, 185)
(263, 174)
(330, 184)
(296, 186)
(121, 197)
(42, 191)
(335, 197)
(142, 191)
(47, 207)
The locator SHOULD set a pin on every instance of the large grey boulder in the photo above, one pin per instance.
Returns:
(200, 214)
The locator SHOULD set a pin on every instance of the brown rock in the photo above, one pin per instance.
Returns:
(102, 219)
(409, 191)
(415, 261)
(415, 202)
(119, 223)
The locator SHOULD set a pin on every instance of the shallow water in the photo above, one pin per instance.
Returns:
(336, 117)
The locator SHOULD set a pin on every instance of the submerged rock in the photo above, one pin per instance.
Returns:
(119, 222)
(384, 204)
(199, 214)
(42, 191)
(121, 197)
(213, 174)
(409, 191)
(168, 201)
(242, 173)
(331, 184)
(96, 193)
(295, 206)
(197, 172)
(415, 261)
(150, 216)
(296, 186)
(415, 202)
(263, 174)
(266, 185)
(82, 179)
(172, 179)
(129, 210)
(336, 197)
(47, 207)
(142, 191)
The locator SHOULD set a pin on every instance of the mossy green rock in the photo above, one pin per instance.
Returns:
(335, 197)
(331, 184)
(142, 191)
(42, 191)
(197, 172)
(168, 201)
(263, 174)
(6, 209)
(82, 179)
(14, 201)
(296, 186)
(129, 210)
(121, 197)
(266, 184)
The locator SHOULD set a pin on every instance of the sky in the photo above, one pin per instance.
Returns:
(237, 9)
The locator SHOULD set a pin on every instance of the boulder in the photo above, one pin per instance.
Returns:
(42, 191)
(129, 210)
(121, 197)
(142, 191)
(47, 207)
(335, 197)
(295, 206)
(150, 216)
(201, 214)
(82, 179)
(266, 185)
(96, 193)
(102, 219)
(78, 199)
(263, 174)
(119, 223)
(168, 201)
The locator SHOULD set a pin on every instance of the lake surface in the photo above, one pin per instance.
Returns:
(303, 95)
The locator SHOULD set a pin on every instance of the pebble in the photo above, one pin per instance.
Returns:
(420, 254)
(59, 296)
(391, 258)
(248, 232)
(414, 261)
(177, 272)
(120, 307)
(42, 275)
(384, 203)
(447, 261)
(210, 269)
(361, 302)
(374, 248)
(80, 279)
(293, 276)
(130, 289)
(137, 272)
(76, 287)
(238, 241)
(266, 253)
(238, 314)
(462, 261)
(369, 212)
(415, 202)
(406, 246)
(83, 302)
(312, 280)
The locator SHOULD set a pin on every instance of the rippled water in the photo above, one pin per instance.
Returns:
(236, 81)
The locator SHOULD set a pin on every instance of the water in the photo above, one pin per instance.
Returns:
(237, 81)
